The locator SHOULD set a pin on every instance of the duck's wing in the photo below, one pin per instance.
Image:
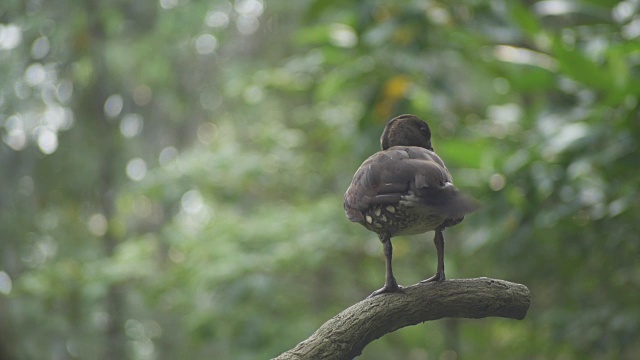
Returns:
(409, 176)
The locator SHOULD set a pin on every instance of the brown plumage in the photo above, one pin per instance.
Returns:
(405, 189)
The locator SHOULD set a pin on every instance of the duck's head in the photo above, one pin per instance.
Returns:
(406, 130)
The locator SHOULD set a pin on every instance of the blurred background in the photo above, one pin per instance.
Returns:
(172, 172)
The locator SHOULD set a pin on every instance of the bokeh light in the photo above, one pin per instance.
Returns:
(97, 224)
(217, 19)
(5, 283)
(40, 47)
(10, 36)
(142, 95)
(136, 169)
(131, 125)
(113, 106)
(205, 44)
(167, 155)
(47, 141)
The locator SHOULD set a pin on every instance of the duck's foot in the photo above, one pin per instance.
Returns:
(387, 289)
(438, 277)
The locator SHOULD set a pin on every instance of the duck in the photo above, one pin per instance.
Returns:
(406, 189)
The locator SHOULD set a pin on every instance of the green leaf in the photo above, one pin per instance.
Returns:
(527, 21)
(576, 65)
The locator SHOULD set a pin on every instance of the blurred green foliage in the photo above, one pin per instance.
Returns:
(173, 172)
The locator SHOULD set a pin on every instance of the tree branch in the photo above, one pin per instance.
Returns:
(347, 334)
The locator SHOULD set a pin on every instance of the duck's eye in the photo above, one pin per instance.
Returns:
(424, 130)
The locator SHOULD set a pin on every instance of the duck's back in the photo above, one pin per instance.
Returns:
(404, 190)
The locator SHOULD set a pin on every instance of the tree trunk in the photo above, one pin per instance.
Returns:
(347, 334)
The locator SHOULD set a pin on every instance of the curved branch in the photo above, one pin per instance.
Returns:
(346, 334)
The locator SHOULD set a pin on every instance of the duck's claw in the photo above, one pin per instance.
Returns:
(385, 289)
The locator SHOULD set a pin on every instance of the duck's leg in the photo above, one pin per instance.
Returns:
(390, 284)
(438, 240)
